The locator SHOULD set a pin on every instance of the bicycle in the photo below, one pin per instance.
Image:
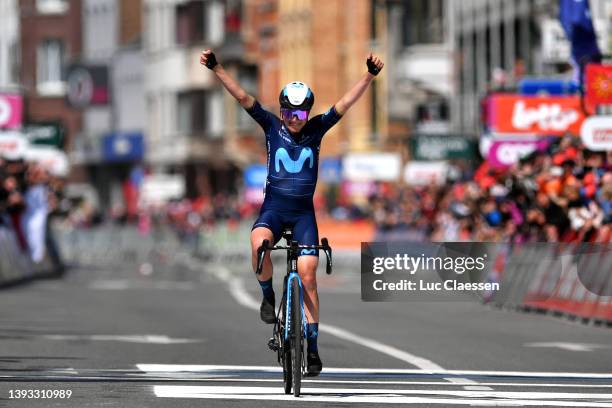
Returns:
(290, 327)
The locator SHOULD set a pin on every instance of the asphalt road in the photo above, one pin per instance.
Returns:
(188, 335)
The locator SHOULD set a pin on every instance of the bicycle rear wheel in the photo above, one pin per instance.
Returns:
(296, 336)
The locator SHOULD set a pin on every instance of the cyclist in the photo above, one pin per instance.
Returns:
(293, 144)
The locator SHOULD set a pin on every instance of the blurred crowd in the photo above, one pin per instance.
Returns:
(28, 197)
(562, 194)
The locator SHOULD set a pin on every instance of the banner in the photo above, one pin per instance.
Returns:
(123, 147)
(51, 134)
(11, 111)
(255, 176)
(425, 173)
(505, 153)
(518, 114)
(596, 133)
(52, 159)
(371, 167)
(442, 147)
(12, 145)
(598, 84)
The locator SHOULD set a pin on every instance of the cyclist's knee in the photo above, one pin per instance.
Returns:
(309, 281)
(258, 235)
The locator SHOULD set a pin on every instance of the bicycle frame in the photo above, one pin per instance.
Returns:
(293, 250)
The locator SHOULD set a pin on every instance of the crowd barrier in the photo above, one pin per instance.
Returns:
(16, 265)
(572, 280)
(569, 279)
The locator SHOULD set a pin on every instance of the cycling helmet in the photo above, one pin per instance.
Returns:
(296, 95)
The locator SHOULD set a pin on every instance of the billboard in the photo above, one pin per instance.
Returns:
(11, 111)
(598, 84)
(536, 115)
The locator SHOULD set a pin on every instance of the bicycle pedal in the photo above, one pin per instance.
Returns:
(273, 344)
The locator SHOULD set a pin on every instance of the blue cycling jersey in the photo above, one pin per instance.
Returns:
(293, 160)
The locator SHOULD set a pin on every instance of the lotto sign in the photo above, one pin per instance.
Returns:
(511, 113)
(596, 133)
(11, 107)
(598, 84)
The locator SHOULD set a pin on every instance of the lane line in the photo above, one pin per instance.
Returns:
(350, 395)
(244, 298)
(204, 368)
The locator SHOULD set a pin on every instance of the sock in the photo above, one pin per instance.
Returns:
(267, 289)
(312, 332)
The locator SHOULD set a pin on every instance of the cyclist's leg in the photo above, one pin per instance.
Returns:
(268, 226)
(306, 233)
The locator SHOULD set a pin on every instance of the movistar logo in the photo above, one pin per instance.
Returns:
(308, 252)
(293, 166)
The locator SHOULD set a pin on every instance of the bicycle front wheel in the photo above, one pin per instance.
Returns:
(286, 351)
(297, 338)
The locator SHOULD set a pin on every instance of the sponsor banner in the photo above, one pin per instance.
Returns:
(330, 170)
(254, 195)
(423, 173)
(255, 176)
(87, 85)
(505, 153)
(161, 188)
(598, 84)
(13, 145)
(371, 167)
(539, 86)
(442, 147)
(11, 111)
(122, 147)
(596, 133)
(51, 158)
(51, 134)
(518, 114)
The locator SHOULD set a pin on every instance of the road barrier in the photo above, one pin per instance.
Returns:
(564, 279)
(16, 265)
(572, 280)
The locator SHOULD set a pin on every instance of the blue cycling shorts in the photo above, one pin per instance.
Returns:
(303, 223)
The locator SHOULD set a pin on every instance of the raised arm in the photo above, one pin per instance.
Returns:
(208, 59)
(374, 66)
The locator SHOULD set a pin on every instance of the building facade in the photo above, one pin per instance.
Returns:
(9, 45)
(50, 38)
(194, 125)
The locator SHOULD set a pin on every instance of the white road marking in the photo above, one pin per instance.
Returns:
(146, 338)
(569, 346)
(382, 395)
(126, 284)
(244, 298)
(212, 368)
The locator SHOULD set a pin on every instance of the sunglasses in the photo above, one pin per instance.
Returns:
(287, 114)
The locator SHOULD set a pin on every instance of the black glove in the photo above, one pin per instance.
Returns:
(372, 68)
(211, 61)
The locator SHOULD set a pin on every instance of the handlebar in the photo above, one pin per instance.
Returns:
(265, 246)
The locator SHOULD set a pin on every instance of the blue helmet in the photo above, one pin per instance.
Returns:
(296, 95)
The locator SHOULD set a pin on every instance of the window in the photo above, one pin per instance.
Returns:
(50, 61)
(198, 21)
(15, 60)
(51, 6)
(200, 113)
(422, 22)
